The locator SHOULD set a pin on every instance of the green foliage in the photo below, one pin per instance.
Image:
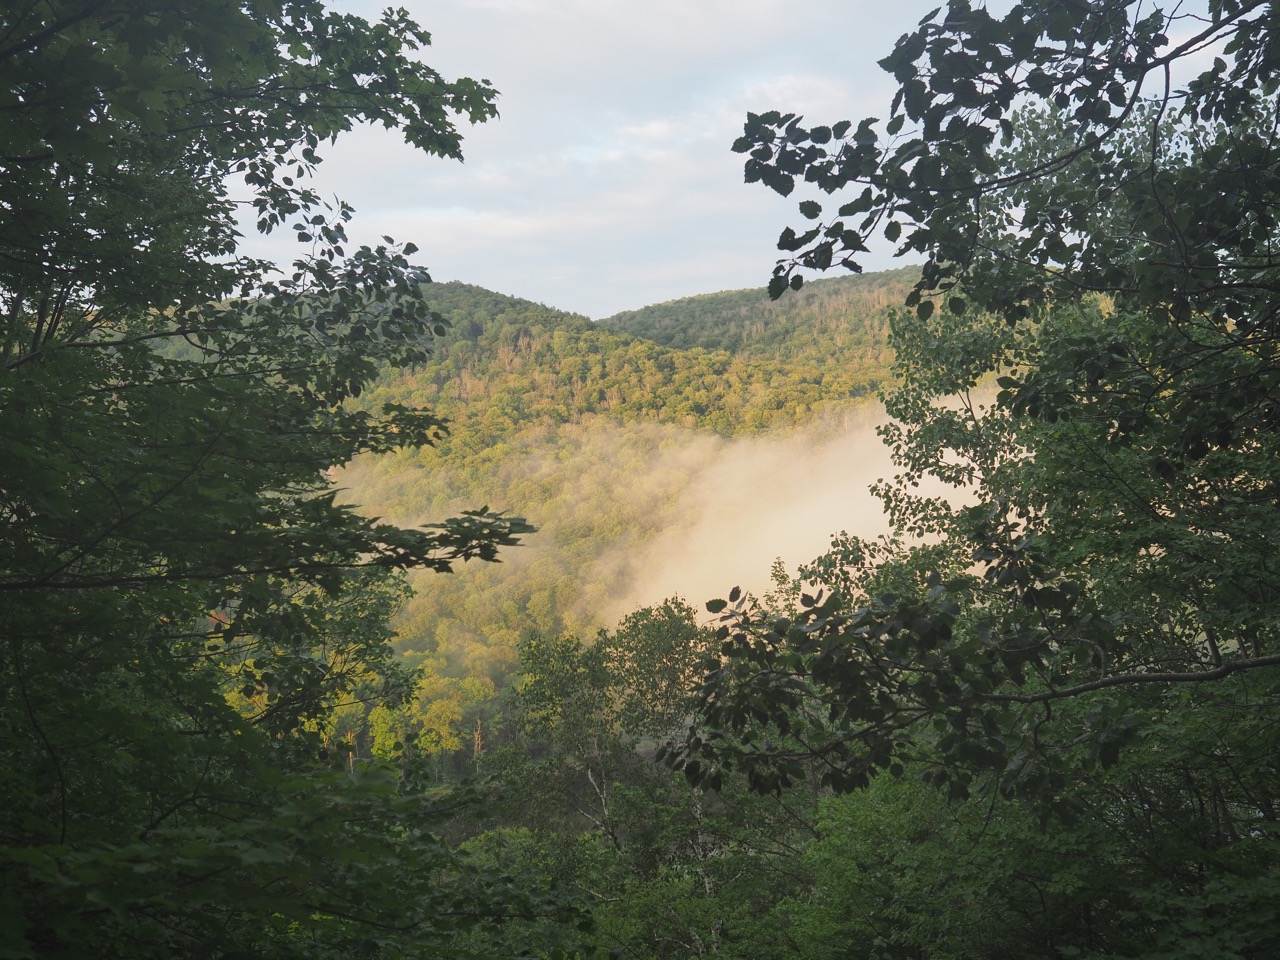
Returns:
(937, 181)
(1141, 871)
(1079, 645)
(1121, 483)
(185, 609)
(509, 364)
(670, 871)
(117, 116)
(811, 328)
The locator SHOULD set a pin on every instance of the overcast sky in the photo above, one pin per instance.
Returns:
(608, 182)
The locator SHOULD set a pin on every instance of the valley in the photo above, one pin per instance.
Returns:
(674, 451)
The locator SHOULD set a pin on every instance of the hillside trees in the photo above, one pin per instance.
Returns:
(183, 603)
(1087, 633)
(1152, 408)
(671, 871)
(597, 436)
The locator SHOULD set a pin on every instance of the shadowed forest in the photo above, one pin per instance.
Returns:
(930, 614)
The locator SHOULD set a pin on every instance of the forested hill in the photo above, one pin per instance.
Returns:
(600, 439)
(507, 363)
(837, 319)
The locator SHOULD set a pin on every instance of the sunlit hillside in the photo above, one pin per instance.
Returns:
(836, 317)
(678, 449)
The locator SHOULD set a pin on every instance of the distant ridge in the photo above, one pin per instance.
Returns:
(506, 364)
(803, 325)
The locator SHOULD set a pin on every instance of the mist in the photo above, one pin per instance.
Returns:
(627, 515)
(747, 502)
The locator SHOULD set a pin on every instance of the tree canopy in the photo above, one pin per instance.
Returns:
(183, 602)
(1065, 670)
(1143, 130)
(1098, 245)
(1084, 633)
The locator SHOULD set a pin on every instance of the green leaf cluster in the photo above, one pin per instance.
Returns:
(1077, 647)
(185, 609)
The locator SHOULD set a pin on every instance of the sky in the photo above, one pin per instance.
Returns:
(608, 182)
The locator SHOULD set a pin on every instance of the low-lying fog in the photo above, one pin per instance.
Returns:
(750, 501)
(629, 515)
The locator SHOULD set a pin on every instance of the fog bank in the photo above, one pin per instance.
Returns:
(750, 501)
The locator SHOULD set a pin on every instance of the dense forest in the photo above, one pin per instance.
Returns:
(595, 436)
(323, 618)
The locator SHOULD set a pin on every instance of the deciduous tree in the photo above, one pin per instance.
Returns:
(1085, 633)
(182, 603)
(1118, 537)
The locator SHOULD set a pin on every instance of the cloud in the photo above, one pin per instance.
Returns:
(608, 182)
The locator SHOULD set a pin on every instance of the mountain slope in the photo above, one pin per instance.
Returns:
(612, 444)
(839, 319)
(507, 363)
